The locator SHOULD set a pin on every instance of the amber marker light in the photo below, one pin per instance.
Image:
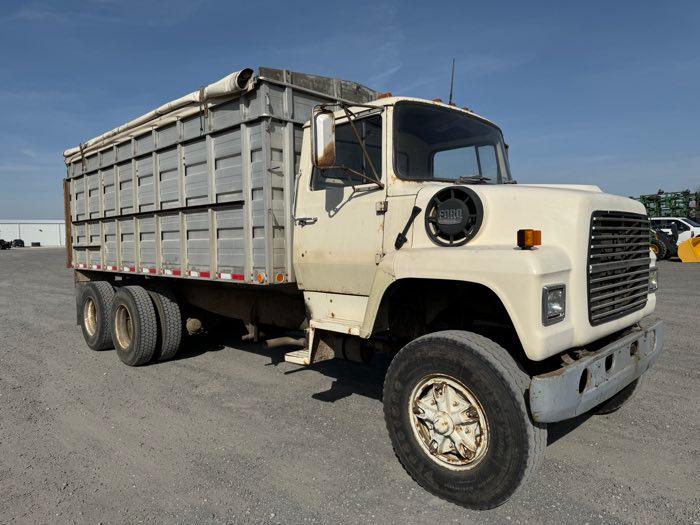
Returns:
(528, 239)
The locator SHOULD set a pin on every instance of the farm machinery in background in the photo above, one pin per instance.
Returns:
(675, 221)
(672, 204)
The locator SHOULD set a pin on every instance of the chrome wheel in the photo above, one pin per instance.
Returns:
(123, 327)
(90, 317)
(449, 422)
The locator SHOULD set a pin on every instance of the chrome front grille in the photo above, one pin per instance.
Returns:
(618, 265)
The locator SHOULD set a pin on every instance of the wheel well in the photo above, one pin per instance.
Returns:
(414, 307)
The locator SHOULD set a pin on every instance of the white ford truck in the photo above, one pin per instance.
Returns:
(369, 223)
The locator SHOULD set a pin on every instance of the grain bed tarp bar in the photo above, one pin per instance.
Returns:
(202, 186)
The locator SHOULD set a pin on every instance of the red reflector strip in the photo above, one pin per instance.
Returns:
(128, 268)
(202, 275)
(96, 266)
(111, 268)
(175, 272)
(232, 276)
(81, 265)
(148, 270)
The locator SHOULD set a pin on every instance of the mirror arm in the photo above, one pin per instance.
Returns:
(361, 142)
(354, 172)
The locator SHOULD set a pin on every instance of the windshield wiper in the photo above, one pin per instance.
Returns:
(473, 178)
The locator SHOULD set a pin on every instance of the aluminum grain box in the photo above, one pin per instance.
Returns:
(201, 187)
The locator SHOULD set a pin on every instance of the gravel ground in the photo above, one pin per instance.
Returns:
(238, 435)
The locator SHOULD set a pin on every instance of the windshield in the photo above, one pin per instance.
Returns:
(436, 143)
(692, 223)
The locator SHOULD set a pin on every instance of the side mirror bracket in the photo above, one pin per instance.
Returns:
(323, 153)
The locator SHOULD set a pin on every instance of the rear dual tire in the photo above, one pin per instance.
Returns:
(142, 325)
(170, 329)
(134, 325)
(94, 314)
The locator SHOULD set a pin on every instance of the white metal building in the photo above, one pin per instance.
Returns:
(46, 232)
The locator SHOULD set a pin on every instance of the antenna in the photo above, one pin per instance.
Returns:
(452, 81)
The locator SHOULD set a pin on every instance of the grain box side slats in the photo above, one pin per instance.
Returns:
(79, 198)
(109, 192)
(110, 246)
(170, 238)
(226, 115)
(166, 136)
(195, 173)
(197, 224)
(127, 244)
(80, 245)
(92, 162)
(230, 243)
(147, 244)
(258, 202)
(93, 251)
(168, 177)
(144, 143)
(145, 185)
(228, 167)
(207, 195)
(93, 194)
(194, 126)
(124, 151)
(278, 212)
(125, 187)
(107, 157)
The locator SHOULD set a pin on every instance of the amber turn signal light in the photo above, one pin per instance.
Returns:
(528, 239)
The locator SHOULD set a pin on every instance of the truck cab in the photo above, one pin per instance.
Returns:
(426, 196)
(410, 226)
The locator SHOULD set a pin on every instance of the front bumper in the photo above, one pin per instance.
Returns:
(584, 383)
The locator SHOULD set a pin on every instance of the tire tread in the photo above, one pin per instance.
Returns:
(169, 324)
(145, 337)
(104, 294)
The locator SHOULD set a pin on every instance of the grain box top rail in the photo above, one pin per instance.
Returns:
(223, 90)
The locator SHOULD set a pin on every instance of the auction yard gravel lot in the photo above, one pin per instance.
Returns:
(235, 434)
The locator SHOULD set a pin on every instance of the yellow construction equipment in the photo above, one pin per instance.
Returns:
(689, 251)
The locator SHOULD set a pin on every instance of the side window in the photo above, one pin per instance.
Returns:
(349, 154)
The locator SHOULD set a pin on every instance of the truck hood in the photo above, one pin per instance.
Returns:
(561, 212)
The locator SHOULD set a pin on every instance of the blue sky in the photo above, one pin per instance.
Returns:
(606, 93)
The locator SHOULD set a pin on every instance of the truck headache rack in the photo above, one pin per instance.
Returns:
(618, 265)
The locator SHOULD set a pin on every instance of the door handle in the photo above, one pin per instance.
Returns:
(304, 221)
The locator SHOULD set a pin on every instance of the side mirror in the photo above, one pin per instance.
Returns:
(323, 139)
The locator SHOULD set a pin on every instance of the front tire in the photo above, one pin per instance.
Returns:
(455, 410)
(134, 325)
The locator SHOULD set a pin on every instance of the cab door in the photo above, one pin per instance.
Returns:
(339, 230)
